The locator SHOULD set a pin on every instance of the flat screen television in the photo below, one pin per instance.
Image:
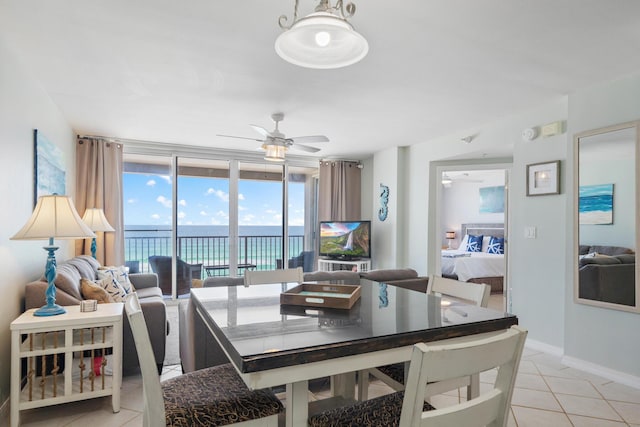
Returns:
(346, 240)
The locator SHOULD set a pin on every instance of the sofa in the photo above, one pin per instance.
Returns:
(68, 276)
(607, 273)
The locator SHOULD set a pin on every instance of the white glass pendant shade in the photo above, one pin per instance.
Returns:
(274, 153)
(321, 40)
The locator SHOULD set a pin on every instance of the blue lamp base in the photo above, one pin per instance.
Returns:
(93, 248)
(51, 308)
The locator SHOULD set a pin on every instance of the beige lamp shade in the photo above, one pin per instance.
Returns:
(450, 234)
(95, 219)
(54, 217)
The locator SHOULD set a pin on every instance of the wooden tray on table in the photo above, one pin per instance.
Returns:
(322, 295)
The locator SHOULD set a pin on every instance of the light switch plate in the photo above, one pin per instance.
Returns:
(530, 232)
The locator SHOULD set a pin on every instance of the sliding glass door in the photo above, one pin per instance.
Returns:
(218, 217)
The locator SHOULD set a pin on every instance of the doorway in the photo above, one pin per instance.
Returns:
(472, 200)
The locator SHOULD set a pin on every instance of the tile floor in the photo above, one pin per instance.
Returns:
(547, 394)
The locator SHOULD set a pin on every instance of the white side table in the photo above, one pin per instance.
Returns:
(83, 335)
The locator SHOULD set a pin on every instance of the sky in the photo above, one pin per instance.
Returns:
(205, 201)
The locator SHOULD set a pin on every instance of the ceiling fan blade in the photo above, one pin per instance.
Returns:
(240, 137)
(310, 138)
(305, 148)
(262, 131)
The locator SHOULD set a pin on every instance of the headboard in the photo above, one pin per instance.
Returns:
(486, 229)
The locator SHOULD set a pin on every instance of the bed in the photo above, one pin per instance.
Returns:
(478, 267)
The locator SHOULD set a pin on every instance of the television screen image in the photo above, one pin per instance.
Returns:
(345, 239)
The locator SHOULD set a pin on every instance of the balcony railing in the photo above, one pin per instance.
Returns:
(263, 252)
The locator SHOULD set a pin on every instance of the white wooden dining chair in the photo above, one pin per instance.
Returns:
(436, 363)
(394, 375)
(262, 277)
(211, 396)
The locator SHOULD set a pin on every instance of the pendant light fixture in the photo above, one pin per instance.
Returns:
(323, 39)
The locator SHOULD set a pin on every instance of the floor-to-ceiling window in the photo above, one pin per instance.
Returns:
(220, 216)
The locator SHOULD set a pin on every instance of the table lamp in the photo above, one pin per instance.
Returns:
(96, 221)
(54, 217)
(450, 235)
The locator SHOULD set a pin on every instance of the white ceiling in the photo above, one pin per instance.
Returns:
(184, 71)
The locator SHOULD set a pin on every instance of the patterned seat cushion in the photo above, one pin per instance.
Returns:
(395, 371)
(215, 397)
(382, 411)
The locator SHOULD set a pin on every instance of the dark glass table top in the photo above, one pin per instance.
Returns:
(259, 333)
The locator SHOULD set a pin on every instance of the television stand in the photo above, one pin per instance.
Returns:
(360, 265)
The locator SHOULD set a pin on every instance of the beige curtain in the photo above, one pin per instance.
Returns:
(99, 185)
(339, 192)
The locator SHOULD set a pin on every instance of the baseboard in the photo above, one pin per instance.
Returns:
(601, 371)
(544, 347)
(4, 413)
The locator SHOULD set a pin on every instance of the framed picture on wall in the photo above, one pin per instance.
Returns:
(48, 167)
(543, 178)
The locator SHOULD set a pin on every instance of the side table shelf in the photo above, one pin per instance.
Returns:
(64, 358)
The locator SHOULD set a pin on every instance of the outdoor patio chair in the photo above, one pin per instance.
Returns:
(161, 265)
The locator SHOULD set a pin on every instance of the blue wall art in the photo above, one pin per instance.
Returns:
(595, 204)
(492, 199)
(49, 171)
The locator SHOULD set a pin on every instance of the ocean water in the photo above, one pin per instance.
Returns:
(601, 202)
(208, 230)
(209, 245)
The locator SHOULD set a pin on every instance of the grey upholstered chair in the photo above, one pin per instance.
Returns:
(213, 396)
(161, 265)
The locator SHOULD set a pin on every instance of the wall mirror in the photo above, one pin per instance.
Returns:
(606, 217)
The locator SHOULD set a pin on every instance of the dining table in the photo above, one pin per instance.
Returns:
(272, 344)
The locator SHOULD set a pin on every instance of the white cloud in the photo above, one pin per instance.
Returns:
(296, 221)
(181, 215)
(240, 196)
(247, 219)
(151, 182)
(182, 202)
(167, 178)
(271, 212)
(241, 208)
(155, 216)
(164, 201)
(219, 194)
(215, 221)
(132, 201)
(277, 216)
(203, 213)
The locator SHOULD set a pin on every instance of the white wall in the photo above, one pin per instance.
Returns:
(23, 107)
(541, 270)
(384, 234)
(612, 337)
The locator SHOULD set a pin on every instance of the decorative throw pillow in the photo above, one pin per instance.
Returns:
(496, 245)
(91, 290)
(118, 274)
(113, 288)
(474, 244)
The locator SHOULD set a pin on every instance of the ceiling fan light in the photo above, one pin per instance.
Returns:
(321, 40)
(274, 153)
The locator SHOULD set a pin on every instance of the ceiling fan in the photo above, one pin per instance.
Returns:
(275, 143)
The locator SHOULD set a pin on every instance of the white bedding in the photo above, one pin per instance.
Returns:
(470, 265)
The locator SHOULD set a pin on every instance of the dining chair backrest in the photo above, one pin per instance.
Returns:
(478, 293)
(262, 277)
(153, 414)
(441, 362)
